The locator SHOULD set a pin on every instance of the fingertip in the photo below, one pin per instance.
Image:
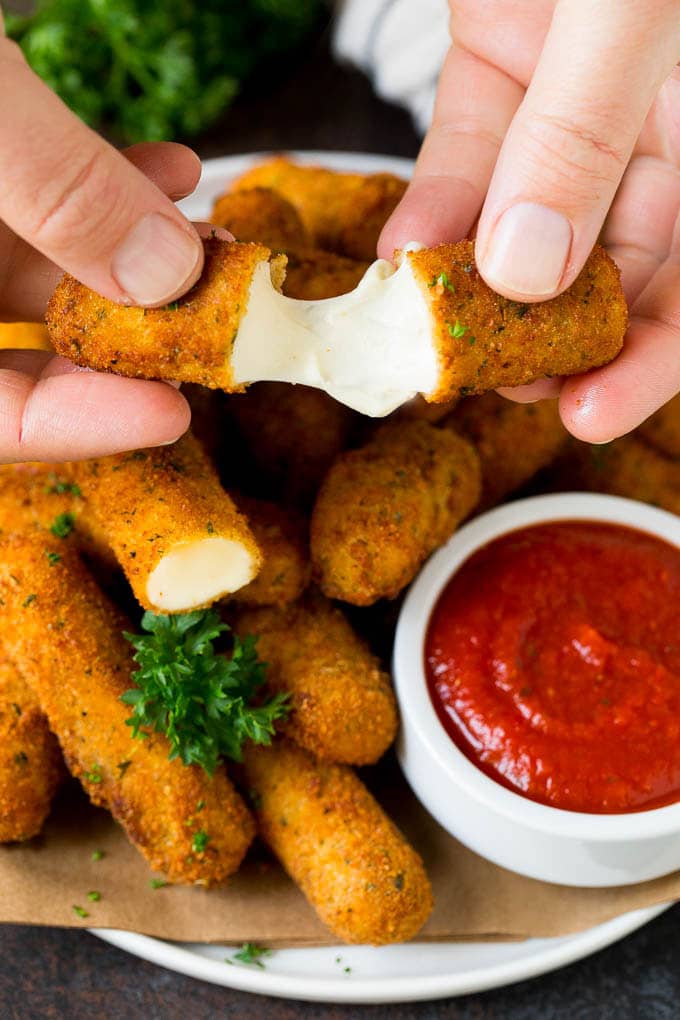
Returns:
(585, 414)
(542, 389)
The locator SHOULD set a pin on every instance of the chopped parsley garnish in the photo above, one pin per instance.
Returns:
(172, 307)
(52, 557)
(98, 855)
(210, 528)
(94, 775)
(80, 911)
(200, 841)
(59, 487)
(252, 954)
(443, 281)
(456, 330)
(200, 700)
(158, 883)
(28, 600)
(123, 766)
(94, 896)
(62, 526)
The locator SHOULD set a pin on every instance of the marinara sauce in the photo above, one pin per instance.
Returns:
(553, 661)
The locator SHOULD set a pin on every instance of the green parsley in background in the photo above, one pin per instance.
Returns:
(158, 71)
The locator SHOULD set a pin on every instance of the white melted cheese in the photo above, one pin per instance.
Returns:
(371, 349)
(198, 572)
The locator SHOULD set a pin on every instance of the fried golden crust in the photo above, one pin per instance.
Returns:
(313, 274)
(31, 766)
(153, 502)
(382, 509)
(66, 639)
(629, 467)
(343, 706)
(281, 536)
(32, 498)
(354, 866)
(343, 212)
(505, 343)
(662, 429)
(189, 340)
(261, 215)
(293, 434)
(513, 441)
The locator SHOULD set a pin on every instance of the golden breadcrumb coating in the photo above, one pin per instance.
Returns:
(343, 212)
(189, 340)
(66, 639)
(156, 503)
(485, 341)
(382, 509)
(31, 336)
(31, 766)
(357, 870)
(261, 215)
(662, 429)
(281, 536)
(514, 441)
(629, 467)
(343, 706)
(292, 434)
(313, 274)
(37, 497)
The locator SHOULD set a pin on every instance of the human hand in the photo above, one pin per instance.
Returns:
(555, 122)
(69, 201)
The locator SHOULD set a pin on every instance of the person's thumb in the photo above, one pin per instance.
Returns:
(570, 141)
(81, 203)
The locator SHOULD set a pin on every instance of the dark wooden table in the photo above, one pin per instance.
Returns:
(69, 974)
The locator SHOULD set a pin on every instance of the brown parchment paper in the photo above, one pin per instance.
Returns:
(41, 881)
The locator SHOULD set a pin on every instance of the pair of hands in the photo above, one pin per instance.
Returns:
(554, 123)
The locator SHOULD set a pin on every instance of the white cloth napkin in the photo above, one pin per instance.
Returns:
(400, 44)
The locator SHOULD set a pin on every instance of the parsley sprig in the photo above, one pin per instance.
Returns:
(250, 953)
(201, 700)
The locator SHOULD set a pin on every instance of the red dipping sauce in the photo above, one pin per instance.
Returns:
(553, 661)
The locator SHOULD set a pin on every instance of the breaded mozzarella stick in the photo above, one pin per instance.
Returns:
(363, 878)
(383, 508)
(66, 639)
(174, 530)
(432, 326)
(342, 703)
(31, 765)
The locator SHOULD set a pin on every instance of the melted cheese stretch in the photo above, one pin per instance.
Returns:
(371, 349)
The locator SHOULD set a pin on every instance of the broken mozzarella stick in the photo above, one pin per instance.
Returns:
(343, 212)
(67, 640)
(31, 765)
(383, 508)
(174, 530)
(431, 326)
(342, 704)
(363, 878)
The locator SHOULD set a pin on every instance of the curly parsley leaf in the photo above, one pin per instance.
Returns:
(201, 700)
(251, 953)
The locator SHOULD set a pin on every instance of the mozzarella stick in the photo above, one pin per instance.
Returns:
(432, 326)
(174, 530)
(281, 538)
(513, 441)
(263, 216)
(343, 212)
(662, 429)
(66, 639)
(383, 508)
(629, 467)
(363, 878)
(342, 704)
(31, 766)
(44, 498)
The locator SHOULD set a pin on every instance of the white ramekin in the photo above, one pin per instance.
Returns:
(568, 847)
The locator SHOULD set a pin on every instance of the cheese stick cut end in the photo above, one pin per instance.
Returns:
(197, 573)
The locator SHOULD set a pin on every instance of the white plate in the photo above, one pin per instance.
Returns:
(419, 970)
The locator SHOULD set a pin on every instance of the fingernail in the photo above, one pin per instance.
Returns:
(528, 250)
(155, 260)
